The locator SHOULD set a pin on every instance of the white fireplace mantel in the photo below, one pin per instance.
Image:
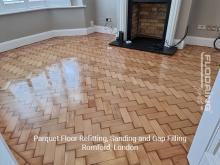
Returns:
(172, 24)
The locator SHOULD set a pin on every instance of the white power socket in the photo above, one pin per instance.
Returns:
(212, 28)
(201, 27)
(208, 27)
(108, 19)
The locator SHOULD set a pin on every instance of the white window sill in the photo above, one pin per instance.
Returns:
(40, 8)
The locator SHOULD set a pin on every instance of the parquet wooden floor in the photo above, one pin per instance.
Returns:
(79, 86)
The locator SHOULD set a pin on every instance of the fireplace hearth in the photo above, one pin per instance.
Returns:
(147, 22)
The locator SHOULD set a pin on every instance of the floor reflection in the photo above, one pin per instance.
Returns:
(57, 84)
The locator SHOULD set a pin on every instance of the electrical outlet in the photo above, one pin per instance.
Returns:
(108, 19)
(201, 27)
(209, 28)
(214, 28)
(218, 29)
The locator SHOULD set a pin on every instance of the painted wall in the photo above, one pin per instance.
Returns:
(105, 9)
(89, 12)
(20, 25)
(183, 18)
(67, 18)
(204, 12)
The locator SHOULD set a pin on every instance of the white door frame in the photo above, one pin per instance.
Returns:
(206, 143)
(6, 156)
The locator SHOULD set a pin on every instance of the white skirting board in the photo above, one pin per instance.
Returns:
(12, 44)
(16, 43)
(107, 30)
(200, 41)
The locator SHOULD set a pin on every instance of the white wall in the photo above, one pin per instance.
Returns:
(105, 9)
(205, 12)
(14, 26)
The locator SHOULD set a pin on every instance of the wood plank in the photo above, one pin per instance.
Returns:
(125, 115)
(59, 155)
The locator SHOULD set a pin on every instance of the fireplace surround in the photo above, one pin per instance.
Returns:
(149, 24)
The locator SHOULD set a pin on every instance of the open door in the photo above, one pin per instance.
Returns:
(6, 157)
(205, 149)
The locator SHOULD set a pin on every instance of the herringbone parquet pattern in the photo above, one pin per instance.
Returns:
(80, 86)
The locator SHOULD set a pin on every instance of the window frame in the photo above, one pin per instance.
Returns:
(28, 6)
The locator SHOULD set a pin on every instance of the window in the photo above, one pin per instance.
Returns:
(7, 6)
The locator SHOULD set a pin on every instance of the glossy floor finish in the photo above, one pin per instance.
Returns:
(80, 86)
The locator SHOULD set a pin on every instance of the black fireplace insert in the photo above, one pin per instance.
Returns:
(147, 26)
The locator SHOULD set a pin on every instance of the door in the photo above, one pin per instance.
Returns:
(6, 156)
(205, 149)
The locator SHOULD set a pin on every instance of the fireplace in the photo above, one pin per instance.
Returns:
(146, 25)
(147, 19)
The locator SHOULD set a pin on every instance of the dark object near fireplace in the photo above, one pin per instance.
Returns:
(147, 26)
(120, 38)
